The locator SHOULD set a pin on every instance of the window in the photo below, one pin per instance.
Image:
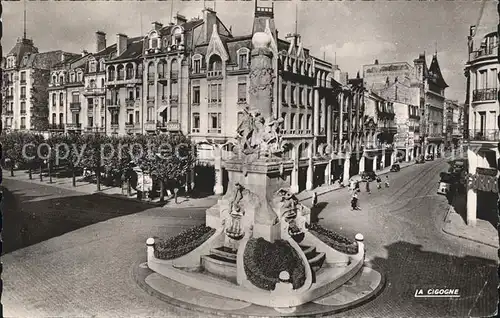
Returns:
(151, 90)
(130, 119)
(23, 122)
(494, 81)
(77, 118)
(197, 66)
(309, 122)
(54, 117)
(92, 66)
(72, 77)
(102, 102)
(301, 96)
(154, 43)
(80, 76)
(23, 92)
(301, 121)
(214, 120)
(129, 71)
(23, 77)
(61, 99)
(90, 121)
(173, 113)
(54, 100)
(292, 95)
(102, 83)
(283, 115)
(131, 95)
(138, 92)
(61, 118)
(23, 107)
(243, 60)
(151, 111)
(483, 80)
(102, 121)
(215, 93)
(283, 94)
(196, 122)
(292, 121)
(196, 95)
(114, 118)
(90, 104)
(242, 92)
(75, 97)
(136, 116)
(54, 79)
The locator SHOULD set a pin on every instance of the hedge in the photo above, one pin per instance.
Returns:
(264, 261)
(183, 243)
(334, 240)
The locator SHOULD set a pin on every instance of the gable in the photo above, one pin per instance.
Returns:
(215, 46)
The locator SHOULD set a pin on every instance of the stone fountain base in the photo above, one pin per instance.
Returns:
(365, 285)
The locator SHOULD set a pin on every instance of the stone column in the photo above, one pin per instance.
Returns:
(471, 207)
(218, 188)
(383, 158)
(316, 112)
(329, 124)
(375, 161)
(294, 187)
(328, 172)
(362, 164)
(323, 112)
(310, 169)
(347, 166)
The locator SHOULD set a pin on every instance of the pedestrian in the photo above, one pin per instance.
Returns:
(314, 199)
(386, 181)
(356, 186)
(379, 183)
(354, 200)
(175, 195)
(368, 186)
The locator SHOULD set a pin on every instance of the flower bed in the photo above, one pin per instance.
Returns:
(264, 261)
(183, 243)
(334, 240)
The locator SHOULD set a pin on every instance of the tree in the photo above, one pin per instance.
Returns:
(169, 159)
(12, 147)
(91, 159)
(31, 156)
(39, 100)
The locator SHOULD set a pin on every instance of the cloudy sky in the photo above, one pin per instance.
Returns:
(359, 32)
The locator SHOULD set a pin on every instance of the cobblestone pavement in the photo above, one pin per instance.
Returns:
(87, 272)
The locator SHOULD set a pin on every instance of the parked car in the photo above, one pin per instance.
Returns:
(368, 176)
(420, 159)
(429, 157)
(395, 168)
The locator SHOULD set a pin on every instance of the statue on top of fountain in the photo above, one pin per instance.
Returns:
(258, 136)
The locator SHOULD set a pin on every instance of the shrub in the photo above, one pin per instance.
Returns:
(264, 261)
(183, 243)
(334, 240)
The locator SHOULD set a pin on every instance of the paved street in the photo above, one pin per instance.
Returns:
(86, 271)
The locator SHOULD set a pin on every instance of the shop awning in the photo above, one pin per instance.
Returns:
(162, 108)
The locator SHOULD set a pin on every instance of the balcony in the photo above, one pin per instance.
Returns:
(486, 51)
(75, 106)
(130, 102)
(56, 127)
(22, 127)
(169, 126)
(162, 77)
(174, 99)
(484, 135)
(94, 130)
(150, 125)
(22, 81)
(90, 111)
(23, 111)
(74, 126)
(485, 94)
(23, 96)
(112, 103)
(9, 113)
(9, 96)
(214, 75)
(94, 91)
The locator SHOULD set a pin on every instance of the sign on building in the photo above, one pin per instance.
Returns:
(485, 179)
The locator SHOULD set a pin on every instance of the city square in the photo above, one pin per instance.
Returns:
(197, 171)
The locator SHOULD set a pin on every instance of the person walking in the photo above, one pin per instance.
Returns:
(354, 200)
(386, 181)
(368, 186)
(314, 199)
(379, 183)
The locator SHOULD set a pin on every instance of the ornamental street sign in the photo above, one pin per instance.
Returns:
(485, 179)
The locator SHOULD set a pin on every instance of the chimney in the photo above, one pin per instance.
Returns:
(210, 18)
(121, 43)
(376, 62)
(179, 19)
(100, 40)
(336, 73)
(157, 26)
(84, 52)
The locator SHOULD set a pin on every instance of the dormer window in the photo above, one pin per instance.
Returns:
(101, 65)
(80, 76)
(243, 58)
(61, 79)
(54, 79)
(177, 37)
(92, 67)
(154, 43)
(197, 64)
(72, 77)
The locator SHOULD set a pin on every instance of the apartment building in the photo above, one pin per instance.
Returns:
(451, 125)
(416, 85)
(26, 69)
(483, 133)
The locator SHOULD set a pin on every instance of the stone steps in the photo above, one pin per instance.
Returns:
(221, 262)
(314, 258)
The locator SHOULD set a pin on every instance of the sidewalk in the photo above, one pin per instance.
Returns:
(116, 192)
(307, 194)
(484, 232)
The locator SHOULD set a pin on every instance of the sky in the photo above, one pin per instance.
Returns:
(356, 32)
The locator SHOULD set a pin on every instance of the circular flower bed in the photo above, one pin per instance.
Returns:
(263, 262)
(334, 240)
(183, 243)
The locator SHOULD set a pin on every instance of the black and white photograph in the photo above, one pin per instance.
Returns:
(250, 158)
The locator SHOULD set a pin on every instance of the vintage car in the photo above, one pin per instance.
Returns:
(445, 183)
(420, 159)
(368, 176)
(429, 157)
(395, 168)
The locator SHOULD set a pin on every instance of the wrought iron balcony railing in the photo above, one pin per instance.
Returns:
(484, 134)
(484, 94)
(75, 106)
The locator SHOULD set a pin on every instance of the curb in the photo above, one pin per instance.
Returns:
(450, 210)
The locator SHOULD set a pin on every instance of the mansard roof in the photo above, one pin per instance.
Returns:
(21, 48)
(134, 49)
(434, 73)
